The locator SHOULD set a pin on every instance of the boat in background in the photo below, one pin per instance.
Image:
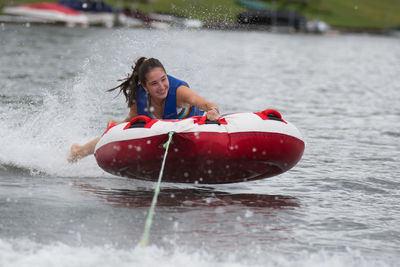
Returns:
(48, 13)
(92, 13)
(273, 18)
(98, 13)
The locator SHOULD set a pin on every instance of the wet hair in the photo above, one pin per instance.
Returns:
(129, 86)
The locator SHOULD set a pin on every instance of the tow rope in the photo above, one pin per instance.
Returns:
(145, 237)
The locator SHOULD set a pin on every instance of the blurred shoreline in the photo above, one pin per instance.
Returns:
(99, 14)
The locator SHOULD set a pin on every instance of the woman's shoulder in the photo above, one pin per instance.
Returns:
(175, 82)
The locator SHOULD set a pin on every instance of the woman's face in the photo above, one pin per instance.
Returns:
(157, 84)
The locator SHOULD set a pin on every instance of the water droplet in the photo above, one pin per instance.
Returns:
(254, 149)
(248, 214)
(138, 148)
(148, 142)
(130, 146)
(118, 148)
(186, 174)
(209, 171)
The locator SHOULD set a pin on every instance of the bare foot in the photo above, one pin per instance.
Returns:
(74, 155)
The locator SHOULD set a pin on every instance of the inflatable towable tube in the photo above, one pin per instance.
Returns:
(238, 147)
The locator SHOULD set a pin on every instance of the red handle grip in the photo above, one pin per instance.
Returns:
(148, 121)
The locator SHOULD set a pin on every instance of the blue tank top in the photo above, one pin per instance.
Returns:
(170, 110)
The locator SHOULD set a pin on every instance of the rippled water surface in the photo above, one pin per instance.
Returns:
(338, 207)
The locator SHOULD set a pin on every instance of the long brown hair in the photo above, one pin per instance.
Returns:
(129, 86)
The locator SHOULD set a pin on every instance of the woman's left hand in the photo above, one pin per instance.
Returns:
(111, 122)
(212, 115)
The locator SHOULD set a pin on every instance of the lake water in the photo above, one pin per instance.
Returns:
(338, 207)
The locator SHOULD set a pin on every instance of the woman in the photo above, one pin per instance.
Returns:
(150, 91)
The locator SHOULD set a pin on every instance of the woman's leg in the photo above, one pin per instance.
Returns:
(77, 152)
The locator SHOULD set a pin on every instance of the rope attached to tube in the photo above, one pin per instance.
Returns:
(145, 237)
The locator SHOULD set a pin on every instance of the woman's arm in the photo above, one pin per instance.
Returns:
(186, 96)
(132, 113)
